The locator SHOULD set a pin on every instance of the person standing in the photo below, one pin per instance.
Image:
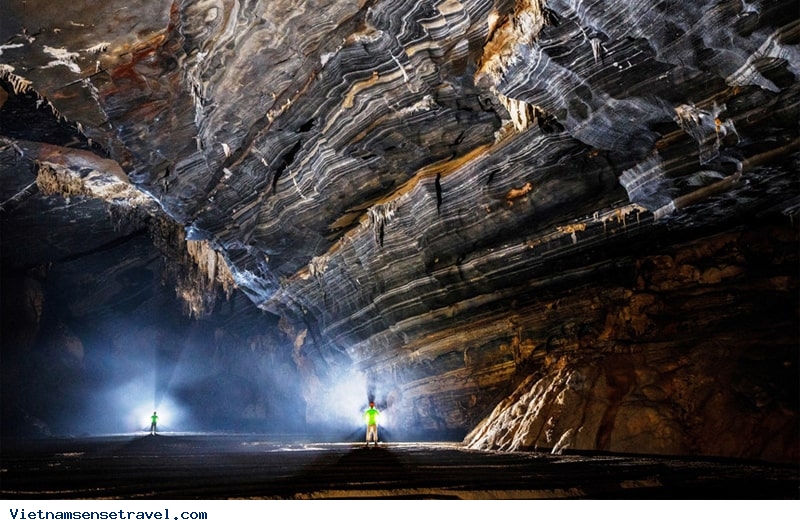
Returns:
(153, 421)
(371, 419)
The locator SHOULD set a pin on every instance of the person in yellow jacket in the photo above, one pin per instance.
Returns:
(371, 419)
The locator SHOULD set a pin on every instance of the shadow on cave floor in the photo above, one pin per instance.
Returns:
(214, 466)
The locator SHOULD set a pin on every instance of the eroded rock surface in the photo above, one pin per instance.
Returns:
(583, 211)
(692, 356)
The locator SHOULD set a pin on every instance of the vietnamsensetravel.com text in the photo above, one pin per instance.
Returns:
(102, 515)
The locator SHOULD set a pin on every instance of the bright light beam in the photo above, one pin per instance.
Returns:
(138, 407)
(346, 401)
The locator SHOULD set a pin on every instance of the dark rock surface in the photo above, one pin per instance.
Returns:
(250, 467)
(560, 224)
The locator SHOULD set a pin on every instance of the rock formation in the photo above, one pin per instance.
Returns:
(555, 224)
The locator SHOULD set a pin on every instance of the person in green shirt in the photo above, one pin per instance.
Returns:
(371, 419)
(153, 421)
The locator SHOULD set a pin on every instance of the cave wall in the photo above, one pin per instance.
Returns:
(694, 353)
(459, 201)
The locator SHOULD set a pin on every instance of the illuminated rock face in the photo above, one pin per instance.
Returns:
(682, 353)
(579, 210)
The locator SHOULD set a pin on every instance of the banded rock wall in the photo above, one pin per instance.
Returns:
(405, 182)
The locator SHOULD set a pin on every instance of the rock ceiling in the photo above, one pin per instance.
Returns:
(409, 185)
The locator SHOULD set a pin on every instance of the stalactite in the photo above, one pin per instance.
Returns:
(200, 273)
(378, 216)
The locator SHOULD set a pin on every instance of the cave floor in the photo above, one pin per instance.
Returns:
(194, 466)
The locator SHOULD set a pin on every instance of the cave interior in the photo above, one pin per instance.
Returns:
(518, 225)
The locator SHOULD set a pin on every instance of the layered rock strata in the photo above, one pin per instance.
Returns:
(690, 353)
(410, 184)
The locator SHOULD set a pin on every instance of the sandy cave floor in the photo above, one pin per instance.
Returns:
(200, 466)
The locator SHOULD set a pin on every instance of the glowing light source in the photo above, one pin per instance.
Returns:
(346, 401)
(170, 416)
(134, 403)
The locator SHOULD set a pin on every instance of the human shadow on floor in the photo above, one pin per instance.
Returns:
(361, 472)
